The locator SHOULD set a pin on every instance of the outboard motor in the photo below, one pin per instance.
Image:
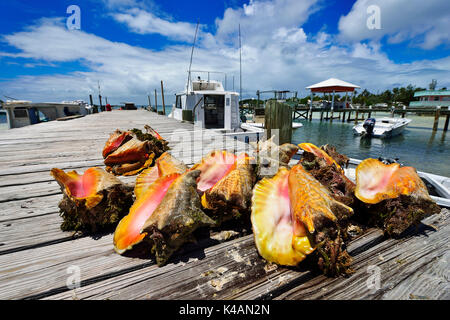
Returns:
(369, 125)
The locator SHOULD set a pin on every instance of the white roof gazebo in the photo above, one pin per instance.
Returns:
(333, 85)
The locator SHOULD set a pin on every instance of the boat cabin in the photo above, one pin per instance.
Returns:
(206, 102)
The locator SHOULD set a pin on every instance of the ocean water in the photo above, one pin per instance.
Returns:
(417, 146)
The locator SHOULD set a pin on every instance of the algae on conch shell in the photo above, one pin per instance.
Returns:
(92, 202)
(327, 169)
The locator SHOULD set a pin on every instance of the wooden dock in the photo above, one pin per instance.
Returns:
(36, 257)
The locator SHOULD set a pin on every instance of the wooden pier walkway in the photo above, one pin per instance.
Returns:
(36, 256)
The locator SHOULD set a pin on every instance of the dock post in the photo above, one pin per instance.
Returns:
(436, 118)
(162, 97)
(149, 103)
(321, 114)
(278, 116)
(357, 114)
(343, 115)
(446, 122)
(332, 107)
(94, 108)
(156, 102)
(310, 113)
(370, 112)
(100, 99)
(404, 111)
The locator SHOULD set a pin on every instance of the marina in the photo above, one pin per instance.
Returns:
(35, 254)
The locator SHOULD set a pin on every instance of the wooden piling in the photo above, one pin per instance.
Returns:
(436, 118)
(278, 116)
(356, 117)
(321, 115)
(446, 122)
(343, 115)
(100, 99)
(156, 102)
(162, 97)
(310, 114)
(149, 103)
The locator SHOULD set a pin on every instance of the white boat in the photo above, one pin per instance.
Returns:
(22, 113)
(209, 106)
(382, 127)
(248, 124)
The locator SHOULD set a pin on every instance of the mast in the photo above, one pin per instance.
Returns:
(192, 53)
(240, 64)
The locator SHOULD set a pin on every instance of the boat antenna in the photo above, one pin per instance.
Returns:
(240, 64)
(192, 53)
(98, 83)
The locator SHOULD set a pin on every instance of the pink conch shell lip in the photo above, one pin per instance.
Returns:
(213, 168)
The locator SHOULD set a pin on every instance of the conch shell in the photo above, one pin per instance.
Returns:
(376, 181)
(165, 165)
(394, 197)
(226, 181)
(130, 152)
(176, 217)
(270, 156)
(321, 154)
(128, 232)
(287, 210)
(116, 139)
(327, 170)
(279, 237)
(93, 200)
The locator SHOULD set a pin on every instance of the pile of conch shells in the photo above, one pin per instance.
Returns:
(130, 152)
(297, 212)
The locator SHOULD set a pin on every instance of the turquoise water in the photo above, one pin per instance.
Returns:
(417, 146)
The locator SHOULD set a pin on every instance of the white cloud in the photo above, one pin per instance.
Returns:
(144, 22)
(426, 23)
(278, 56)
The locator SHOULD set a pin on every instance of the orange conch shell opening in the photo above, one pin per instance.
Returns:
(128, 231)
(376, 181)
(83, 187)
(279, 237)
(115, 141)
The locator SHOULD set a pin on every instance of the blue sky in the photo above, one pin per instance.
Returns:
(130, 45)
